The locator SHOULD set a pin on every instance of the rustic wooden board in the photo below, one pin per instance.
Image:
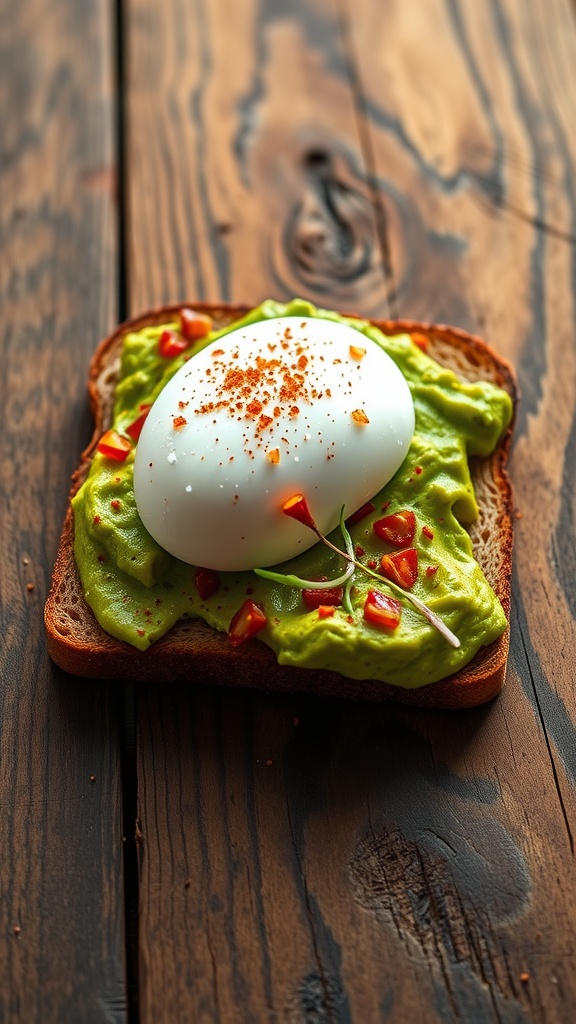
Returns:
(245, 172)
(302, 860)
(61, 852)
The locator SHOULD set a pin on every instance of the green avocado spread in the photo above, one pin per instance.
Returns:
(138, 591)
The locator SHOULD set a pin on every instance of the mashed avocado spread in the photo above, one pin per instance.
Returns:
(138, 591)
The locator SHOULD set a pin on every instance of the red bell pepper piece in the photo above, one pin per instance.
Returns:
(194, 325)
(381, 610)
(114, 446)
(171, 344)
(248, 620)
(135, 428)
(207, 582)
(401, 567)
(397, 529)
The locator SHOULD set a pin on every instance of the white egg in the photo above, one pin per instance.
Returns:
(282, 407)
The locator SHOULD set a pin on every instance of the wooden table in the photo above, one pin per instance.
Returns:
(185, 854)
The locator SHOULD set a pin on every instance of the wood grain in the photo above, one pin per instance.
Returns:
(235, 192)
(61, 906)
(300, 860)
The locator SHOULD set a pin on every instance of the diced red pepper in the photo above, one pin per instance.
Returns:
(114, 446)
(194, 325)
(207, 582)
(248, 620)
(381, 610)
(297, 508)
(360, 514)
(421, 340)
(171, 344)
(325, 611)
(401, 567)
(428, 532)
(314, 598)
(397, 529)
(135, 428)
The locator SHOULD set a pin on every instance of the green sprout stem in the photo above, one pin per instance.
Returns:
(347, 579)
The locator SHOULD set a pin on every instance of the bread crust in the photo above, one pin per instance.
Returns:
(193, 652)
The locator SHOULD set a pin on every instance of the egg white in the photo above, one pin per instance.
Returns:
(280, 407)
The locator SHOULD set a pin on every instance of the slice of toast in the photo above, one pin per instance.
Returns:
(193, 652)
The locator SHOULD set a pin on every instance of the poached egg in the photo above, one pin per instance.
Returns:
(280, 407)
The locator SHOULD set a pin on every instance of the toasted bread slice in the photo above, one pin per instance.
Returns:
(192, 652)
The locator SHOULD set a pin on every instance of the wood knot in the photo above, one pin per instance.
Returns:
(329, 242)
(331, 231)
(318, 998)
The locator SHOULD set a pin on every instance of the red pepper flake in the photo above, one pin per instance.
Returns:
(96, 520)
(218, 352)
(418, 470)
(359, 417)
(179, 422)
(115, 504)
(294, 411)
(371, 563)
(273, 456)
(428, 532)
(360, 552)
(431, 570)
(386, 505)
(141, 632)
(357, 353)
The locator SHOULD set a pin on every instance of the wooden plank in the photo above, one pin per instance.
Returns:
(483, 167)
(61, 852)
(235, 193)
(302, 860)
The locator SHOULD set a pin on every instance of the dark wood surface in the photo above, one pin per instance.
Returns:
(62, 922)
(286, 859)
